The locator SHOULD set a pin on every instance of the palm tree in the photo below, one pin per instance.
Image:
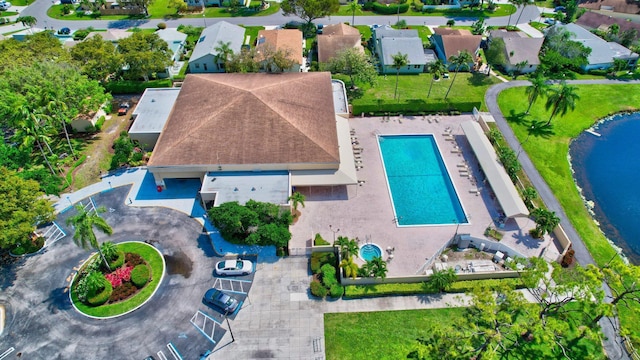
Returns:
(443, 279)
(223, 53)
(348, 247)
(537, 88)
(378, 267)
(524, 3)
(28, 133)
(560, 100)
(84, 222)
(517, 4)
(27, 20)
(109, 250)
(436, 69)
(296, 199)
(462, 59)
(350, 268)
(56, 106)
(546, 221)
(399, 60)
(354, 7)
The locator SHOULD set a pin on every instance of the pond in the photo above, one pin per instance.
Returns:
(607, 168)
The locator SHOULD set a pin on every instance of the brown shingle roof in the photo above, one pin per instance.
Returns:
(622, 6)
(340, 29)
(330, 45)
(519, 47)
(592, 20)
(285, 39)
(250, 119)
(449, 31)
(454, 44)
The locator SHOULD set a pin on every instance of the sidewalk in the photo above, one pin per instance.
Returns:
(530, 30)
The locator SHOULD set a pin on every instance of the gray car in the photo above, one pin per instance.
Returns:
(221, 300)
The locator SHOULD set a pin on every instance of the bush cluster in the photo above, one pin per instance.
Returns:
(118, 261)
(389, 10)
(319, 258)
(135, 87)
(101, 297)
(140, 275)
(133, 259)
(319, 241)
(122, 292)
(413, 107)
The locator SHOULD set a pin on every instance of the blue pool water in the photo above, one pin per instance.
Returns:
(369, 251)
(607, 170)
(421, 190)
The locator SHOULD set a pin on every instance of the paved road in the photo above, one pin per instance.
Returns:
(39, 10)
(613, 342)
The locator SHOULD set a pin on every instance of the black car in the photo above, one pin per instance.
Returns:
(220, 300)
(64, 31)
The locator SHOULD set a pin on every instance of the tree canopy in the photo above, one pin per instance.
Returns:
(144, 55)
(354, 64)
(96, 58)
(22, 208)
(310, 10)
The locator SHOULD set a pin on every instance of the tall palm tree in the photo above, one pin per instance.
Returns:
(399, 60)
(443, 279)
(517, 4)
(296, 199)
(84, 222)
(437, 69)
(348, 247)
(57, 107)
(537, 88)
(561, 99)
(350, 268)
(546, 221)
(354, 7)
(29, 21)
(28, 133)
(462, 59)
(223, 52)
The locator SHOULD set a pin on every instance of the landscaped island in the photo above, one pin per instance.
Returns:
(135, 270)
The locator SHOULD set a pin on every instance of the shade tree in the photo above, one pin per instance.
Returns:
(144, 54)
(356, 65)
(309, 10)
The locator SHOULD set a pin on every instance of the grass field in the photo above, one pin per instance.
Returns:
(393, 334)
(467, 87)
(549, 154)
(501, 10)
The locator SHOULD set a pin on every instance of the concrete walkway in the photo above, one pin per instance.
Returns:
(612, 342)
(530, 30)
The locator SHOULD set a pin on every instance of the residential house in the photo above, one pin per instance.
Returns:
(288, 40)
(336, 38)
(389, 42)
(450, 42)
(521, 51)
(603, 53)
(111, 35)
(204, 58)
(619, 6)
(596, 21)
(20, 35)
(237, 131)
(176, 41)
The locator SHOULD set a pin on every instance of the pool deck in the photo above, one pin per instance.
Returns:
(365, 211)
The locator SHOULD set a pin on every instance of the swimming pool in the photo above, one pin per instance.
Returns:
(421, 190)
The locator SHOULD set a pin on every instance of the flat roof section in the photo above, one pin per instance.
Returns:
(264, 186)
(505, 191)
(153, 110)
(340, 105)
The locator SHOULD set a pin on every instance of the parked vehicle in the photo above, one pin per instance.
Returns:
(220, 300)
(234, 267)
(123, 108)
(4, 5)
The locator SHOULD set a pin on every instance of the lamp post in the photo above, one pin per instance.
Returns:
(69, 200)
(334, 232)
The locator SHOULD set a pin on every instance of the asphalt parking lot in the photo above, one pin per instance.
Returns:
(42, 324)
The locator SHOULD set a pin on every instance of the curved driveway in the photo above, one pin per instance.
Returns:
(39, 10)
(613, 343)
(42, 324)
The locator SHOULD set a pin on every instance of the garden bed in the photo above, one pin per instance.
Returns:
(124, 289)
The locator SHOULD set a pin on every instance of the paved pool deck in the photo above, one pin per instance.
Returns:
(365, 211)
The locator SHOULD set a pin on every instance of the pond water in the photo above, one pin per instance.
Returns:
(607, 168)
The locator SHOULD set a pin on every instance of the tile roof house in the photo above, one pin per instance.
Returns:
(389, 42)
(111, 35)
(519, 48)
(336, 38)
(204, 56)
(620, 6)
(450, 42)
(603, 53)
(289, 40)
(592, 20)
(256, 122)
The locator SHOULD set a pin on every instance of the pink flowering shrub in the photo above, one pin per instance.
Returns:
(119, 276)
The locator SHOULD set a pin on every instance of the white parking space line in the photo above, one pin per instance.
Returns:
(174, 351)
(7, 352)
(205, 324)
(232, 285)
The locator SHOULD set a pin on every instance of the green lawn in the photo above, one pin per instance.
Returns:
(423, 31)
(159, 10)
(7, 13)
(154, 259)
(393, 334)
(252, 31)
(365, 31)
(21, 2)
(467, 87)
(501, 10)
(549, 154)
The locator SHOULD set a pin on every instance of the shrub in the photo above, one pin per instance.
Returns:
(118, 261)
(122, 292)
(99, 123)
(140, 275)
(392, 9)
(376, 290)
(319, 259)
(328, 275)
(317, 289)
(162, 26)
(119, 277)
(412, 107)
(133, 259)
(336, 291)
(101, 297)
(319, 241)
(135, 87)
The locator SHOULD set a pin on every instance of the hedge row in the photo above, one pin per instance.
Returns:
(140, 275)
(413, 107)
(377, 290)
(101, 297)
(391, 9)
(135, 87)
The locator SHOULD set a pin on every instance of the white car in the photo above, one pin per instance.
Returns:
(234, 267)
(4, 5)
